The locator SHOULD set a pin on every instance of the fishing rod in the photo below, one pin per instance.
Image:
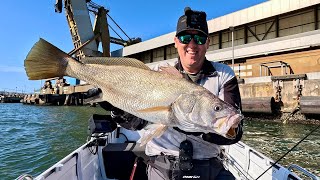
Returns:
(289, 150)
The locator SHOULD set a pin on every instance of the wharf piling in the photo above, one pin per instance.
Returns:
(11, 97)
(277, 95)
(61, 94)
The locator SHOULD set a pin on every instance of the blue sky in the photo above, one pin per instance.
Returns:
(24, 22)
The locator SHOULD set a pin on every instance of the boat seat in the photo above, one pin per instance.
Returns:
(119, 159)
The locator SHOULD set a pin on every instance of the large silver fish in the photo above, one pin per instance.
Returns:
(161, 98)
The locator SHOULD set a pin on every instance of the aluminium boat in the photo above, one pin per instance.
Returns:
(115, 153)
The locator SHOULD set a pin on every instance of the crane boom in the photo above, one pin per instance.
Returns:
(85, 37)
(80, 27)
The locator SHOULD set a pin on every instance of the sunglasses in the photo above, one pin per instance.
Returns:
(198, 39)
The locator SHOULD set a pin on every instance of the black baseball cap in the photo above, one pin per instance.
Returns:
(193, 20)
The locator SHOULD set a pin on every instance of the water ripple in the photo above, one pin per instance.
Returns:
(275, 139)
(35, 137)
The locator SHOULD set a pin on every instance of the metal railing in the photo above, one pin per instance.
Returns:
(275, 64)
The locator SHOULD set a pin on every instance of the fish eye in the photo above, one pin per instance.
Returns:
(217, 108)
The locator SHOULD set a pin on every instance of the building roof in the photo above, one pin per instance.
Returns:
(251, 14)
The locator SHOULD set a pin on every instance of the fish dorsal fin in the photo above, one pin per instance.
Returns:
(152, 131)
(115, 61)
(153, 109)
(171, 71)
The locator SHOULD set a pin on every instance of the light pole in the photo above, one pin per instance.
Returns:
(232, 41)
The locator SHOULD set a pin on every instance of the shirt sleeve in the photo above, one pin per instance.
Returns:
(231, 94)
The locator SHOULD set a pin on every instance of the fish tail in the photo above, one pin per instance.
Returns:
(46, 61)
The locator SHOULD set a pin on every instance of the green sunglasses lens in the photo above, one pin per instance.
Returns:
(199, 39)
(185, 39)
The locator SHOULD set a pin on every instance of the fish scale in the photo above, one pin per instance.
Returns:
(123, 82)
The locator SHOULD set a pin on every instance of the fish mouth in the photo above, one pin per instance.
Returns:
(236, 119)
(226, 125)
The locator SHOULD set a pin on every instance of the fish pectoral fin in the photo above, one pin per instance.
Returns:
(152, 131)
(152, 109)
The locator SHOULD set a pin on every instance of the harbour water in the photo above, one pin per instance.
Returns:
(35, 137)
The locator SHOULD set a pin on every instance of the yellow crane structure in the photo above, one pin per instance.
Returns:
(86, 39)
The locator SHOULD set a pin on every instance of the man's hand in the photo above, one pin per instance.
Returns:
(123, 118)
(93, 92)
(94, 95)
(127, 120)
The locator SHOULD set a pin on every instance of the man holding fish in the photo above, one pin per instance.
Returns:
(191, 109)
(178, 154)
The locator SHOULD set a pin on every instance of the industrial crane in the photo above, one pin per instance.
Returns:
(85, 37)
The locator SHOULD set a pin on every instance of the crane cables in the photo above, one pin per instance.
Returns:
(118, 27)
(93, 7)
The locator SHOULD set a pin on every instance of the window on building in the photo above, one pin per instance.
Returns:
(260, 29)
(238, 37)
(158, 54)
(146, 57)
(296, 23)
(214, 41)
(171, 52)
